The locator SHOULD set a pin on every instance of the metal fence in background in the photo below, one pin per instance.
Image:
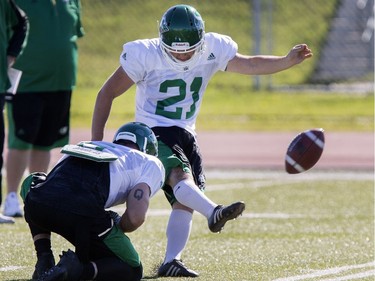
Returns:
(340, 32)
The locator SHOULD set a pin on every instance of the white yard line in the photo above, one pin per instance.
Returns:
(272, 216)
(353, 276)
(11, 268)
(331, 271)
(259, 179)
(166, 212)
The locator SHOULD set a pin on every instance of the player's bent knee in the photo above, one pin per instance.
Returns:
(176, 175)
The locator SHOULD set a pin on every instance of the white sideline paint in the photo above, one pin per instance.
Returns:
(166, 212)
(11, 268)
(272, 216)
(335, 270)
(261, 179)
(353, 276)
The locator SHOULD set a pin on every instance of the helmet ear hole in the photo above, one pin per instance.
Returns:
(138, 136)
(127, 143)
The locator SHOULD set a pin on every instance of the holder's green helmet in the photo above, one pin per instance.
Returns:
(181, 30)
(140, 134)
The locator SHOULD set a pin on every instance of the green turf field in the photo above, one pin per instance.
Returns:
(230, 102)
(312, 226)
(241, 109)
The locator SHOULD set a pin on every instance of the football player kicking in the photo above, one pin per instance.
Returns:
(171, 74)
(71, 201)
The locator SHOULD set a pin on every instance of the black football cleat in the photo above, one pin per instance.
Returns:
(44, 263)
(69, 268)
(176, 268)
(54, 274)
(222, 214)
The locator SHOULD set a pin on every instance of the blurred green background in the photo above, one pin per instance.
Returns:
(283, 101)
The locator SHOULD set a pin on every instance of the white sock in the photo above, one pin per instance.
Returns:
(188, 194)
(178, 232)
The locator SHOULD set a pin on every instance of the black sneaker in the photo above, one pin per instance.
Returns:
(69, 268)
(54, 274)
(222, 214)
(44, 263)
(176, 268)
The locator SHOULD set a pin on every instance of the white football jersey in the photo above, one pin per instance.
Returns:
(131, 168)
(166, 97)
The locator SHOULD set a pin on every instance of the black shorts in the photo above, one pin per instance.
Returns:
(39, 120)
(178, 147)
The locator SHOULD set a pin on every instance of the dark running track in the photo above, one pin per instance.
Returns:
(266, 150)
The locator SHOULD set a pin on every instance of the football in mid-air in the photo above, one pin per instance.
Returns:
(304, 151)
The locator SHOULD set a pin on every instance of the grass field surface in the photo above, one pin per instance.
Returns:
(230, 102)
(109, 24)
(241, 109)
(312, 226)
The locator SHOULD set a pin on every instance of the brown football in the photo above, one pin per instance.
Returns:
(304, 151)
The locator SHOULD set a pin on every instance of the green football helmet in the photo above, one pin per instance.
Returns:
(140, 134)
(181, 30)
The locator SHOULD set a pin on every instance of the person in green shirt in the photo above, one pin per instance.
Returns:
(38, 114)
(13, 31)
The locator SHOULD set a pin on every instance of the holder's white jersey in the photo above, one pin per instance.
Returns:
(131, 168)
(164, 96)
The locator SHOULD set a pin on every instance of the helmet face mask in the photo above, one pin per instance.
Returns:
(181, 31)
(140, 134)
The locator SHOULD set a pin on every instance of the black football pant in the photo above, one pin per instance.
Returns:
(82, 233)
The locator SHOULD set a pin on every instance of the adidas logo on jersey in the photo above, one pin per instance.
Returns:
(211, 57)
(124, 56)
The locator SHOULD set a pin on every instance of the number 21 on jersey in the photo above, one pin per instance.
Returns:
(170, 101)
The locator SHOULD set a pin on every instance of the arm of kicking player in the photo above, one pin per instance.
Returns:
(117, 84)
(136, 208)
(258, 65)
